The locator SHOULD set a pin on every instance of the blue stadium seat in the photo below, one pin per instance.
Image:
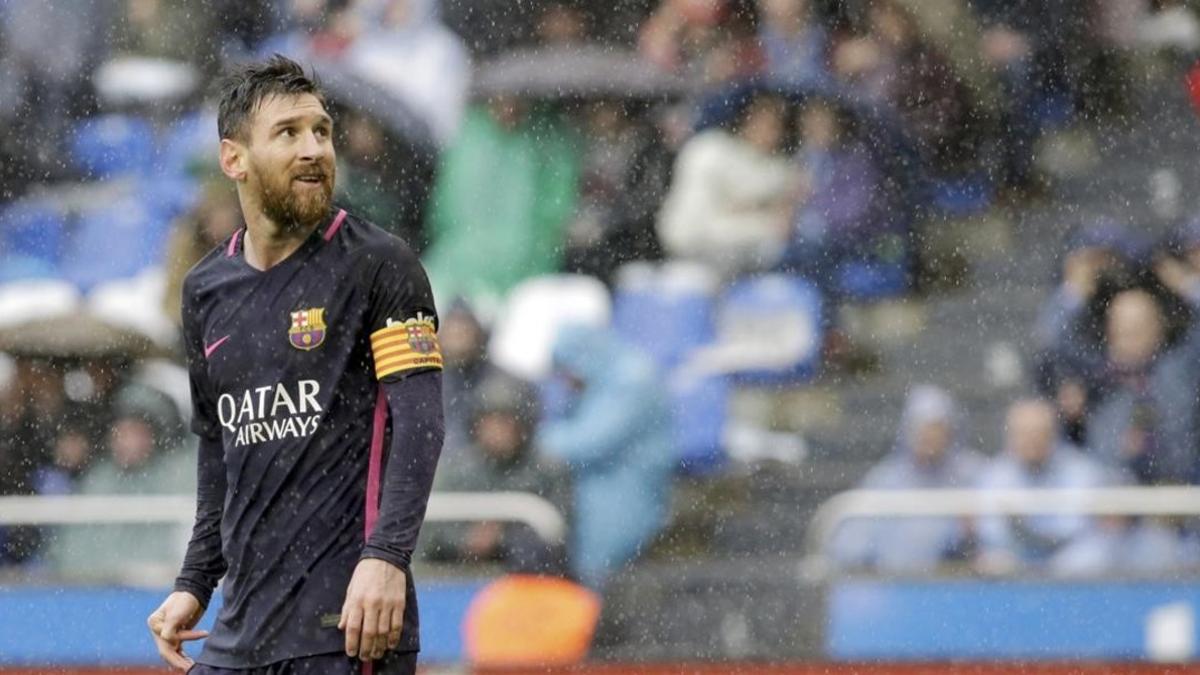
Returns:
(111, 145)
(190, 139)
(663, 313)
(963, 196)
(169, 196)
(20, 267)
(115, 241)
(770, 329)
(699, 407)
(873, 279)
(32, 229)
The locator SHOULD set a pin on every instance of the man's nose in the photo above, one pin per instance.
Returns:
(312, 148)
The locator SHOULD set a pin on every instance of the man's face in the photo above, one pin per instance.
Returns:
(1135, 329)
(499, 435)
(131, 442)
(291, 160)
(1031, 432)
(930, 441)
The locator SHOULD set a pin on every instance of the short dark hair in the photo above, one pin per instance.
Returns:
(244, 89)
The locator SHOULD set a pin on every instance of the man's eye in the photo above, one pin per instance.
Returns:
(287, 131)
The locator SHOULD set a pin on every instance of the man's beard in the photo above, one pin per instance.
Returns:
(293, 211)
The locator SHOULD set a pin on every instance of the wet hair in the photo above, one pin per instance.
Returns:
(243, 91)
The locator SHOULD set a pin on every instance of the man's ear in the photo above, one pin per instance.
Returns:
(233, 159)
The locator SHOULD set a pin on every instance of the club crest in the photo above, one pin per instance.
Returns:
(308, 328)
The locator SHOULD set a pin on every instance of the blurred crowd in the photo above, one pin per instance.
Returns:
(726, 172)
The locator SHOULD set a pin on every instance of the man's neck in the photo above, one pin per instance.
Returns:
(267, 244)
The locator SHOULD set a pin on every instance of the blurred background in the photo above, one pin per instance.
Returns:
(776, 331)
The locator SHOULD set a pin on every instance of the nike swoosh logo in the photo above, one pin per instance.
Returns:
(209, 349)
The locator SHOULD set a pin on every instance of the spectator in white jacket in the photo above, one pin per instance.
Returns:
(732, 192)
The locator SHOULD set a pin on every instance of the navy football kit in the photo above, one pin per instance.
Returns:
(316, 396)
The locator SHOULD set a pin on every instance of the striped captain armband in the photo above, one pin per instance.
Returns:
(406, 345)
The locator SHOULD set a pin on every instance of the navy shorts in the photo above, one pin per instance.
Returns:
(393, 663)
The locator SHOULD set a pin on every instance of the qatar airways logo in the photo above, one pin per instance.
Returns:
(271, 413)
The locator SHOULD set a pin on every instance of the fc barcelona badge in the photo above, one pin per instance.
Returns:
(308, 328)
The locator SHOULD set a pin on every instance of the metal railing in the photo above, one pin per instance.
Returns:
(1117, 501)
(519, 507)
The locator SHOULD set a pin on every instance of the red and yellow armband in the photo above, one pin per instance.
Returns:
(406, 345)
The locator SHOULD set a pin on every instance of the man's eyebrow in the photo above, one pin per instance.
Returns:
(325, 119)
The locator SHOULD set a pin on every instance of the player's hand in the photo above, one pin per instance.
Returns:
(171, 625)
(373, 613)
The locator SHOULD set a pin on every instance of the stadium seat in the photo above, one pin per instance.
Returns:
(665, 310)
(768, 331)
(873, 279)
(699, 411)
(115, 241)
(190, 140)
(169, 196)
(963, 196)
(523, 339)
(112, 145)
(18, 267)
(33, 230)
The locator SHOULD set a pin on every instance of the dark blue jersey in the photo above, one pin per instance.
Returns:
(292, 371)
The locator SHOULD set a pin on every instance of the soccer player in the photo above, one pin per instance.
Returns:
(316, 386)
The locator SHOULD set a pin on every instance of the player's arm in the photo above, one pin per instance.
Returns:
(376, 597)
(415, 407)
(204, 565)
(407, 362)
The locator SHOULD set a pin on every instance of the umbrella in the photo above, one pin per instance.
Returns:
(349, 90)
(77, 335)
(562, 72)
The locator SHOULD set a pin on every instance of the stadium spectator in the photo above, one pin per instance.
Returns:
(1099, 257)
(500, 458)
(196, 233)
(71, 456)
(30, 408)
(844, 207)
(731, 193)
(794, 43)
(625, 173)
(404, 47)
(1034, 456)
(145, 457)
(891, 64)
(1124, 546)
(615, 438)
(928, 453)
(503, 193)
(169, 30)
(43, 90)
(1145, 419)
(463, 338)
(709, 42)
(381, 178)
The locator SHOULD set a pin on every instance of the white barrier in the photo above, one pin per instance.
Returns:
(540, 515)
(1118, 501)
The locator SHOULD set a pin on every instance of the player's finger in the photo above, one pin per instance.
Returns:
(186, 635)
(353, 629)
(397, 626)
(171, 654)
(370, 631)
(383, 631)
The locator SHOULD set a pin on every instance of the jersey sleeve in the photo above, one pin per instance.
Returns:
(401, 318)
(205, 422)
